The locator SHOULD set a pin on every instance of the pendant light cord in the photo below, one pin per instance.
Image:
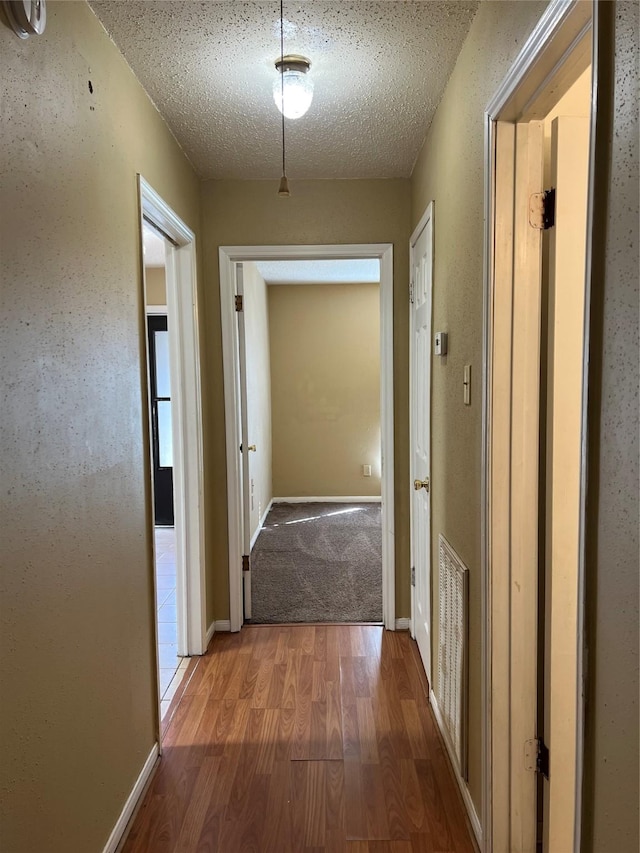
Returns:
(282, 79)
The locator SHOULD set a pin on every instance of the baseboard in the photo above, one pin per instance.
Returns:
(403, 624)
(340, 499)
(261, 525)
(466, 796)
(132, 801)
(223, 625)
(207, 637)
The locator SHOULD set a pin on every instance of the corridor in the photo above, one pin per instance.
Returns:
(303, 738)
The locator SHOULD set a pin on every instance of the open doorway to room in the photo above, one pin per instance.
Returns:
(171, 665)
(312, 373)
(172, 382)
(539, 166)
(308, 362)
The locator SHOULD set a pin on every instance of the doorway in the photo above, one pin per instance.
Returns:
(239, 492)
(539, 167)
(172, 384)
(311, 367)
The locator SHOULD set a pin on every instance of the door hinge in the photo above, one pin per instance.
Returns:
(238, 303)
(413, 575)
(536, 756)
(542, 210)
(246, 563)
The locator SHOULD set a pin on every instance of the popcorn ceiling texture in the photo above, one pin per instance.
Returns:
(379, 70)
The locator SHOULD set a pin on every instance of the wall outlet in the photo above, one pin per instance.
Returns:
(366, 470)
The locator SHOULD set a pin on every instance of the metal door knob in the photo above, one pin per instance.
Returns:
(252, 447)
(421, 484)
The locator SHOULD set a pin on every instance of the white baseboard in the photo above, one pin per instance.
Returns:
(219, 627)
(340, 499)
(132, 800)
(403, 624)
(466, 796)
(261, 525)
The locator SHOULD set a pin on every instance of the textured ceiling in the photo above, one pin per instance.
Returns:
(379, 70)
(320, 272)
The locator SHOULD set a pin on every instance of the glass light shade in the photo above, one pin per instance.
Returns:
(298, 93)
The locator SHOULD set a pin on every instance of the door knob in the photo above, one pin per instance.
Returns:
(421, 484)
(252, 447)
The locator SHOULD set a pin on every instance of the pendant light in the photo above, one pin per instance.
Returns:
(293, 92)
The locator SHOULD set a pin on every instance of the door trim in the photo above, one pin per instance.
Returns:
(230, 255)
(427, 216)
(186, 415)
(555, 52)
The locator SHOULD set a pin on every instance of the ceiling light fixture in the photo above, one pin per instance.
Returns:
(293, 92)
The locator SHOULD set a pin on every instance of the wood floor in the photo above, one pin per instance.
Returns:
(303, 738)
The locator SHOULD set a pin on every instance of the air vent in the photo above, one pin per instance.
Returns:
(452, 650)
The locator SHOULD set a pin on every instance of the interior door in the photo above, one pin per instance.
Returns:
(244, 447)
(421, 272)
(161, 431)
(566, 304)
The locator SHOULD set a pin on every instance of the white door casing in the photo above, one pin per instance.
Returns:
(556, 53)
(186, 417)
(421, 249)
(229, 256)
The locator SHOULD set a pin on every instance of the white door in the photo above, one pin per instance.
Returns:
(244, 447)
(567, 250)
(421, 274)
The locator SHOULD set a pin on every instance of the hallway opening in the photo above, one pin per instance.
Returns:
(302, 314)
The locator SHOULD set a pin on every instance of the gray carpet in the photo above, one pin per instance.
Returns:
(318, 562)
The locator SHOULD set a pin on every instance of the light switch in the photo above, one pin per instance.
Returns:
(466, 384)
(366, 470)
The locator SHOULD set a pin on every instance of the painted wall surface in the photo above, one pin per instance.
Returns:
(256, 317)
(244, 213)
(611, 796)
(156, 285)
(450, 171)
(325, 378)
(78, 711)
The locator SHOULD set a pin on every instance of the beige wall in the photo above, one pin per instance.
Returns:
(450, 170)
(325, 378)
(258, 373)
(77, 667)
(156, 285)
(240, 213)
(611, 796)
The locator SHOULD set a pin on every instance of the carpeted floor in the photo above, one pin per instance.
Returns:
(318, 562)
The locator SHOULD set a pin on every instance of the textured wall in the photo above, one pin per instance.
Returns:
(244, 213)
(156, 286)
(79, 702)
(610, 810)
(450, 170)
(325, 378)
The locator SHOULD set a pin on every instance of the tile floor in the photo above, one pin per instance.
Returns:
(172, 667)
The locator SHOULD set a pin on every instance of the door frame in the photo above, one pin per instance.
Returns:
(229, 256)
(427, 216)
(551, 59)
(186, 416)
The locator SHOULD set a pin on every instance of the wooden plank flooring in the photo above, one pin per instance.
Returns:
(303, 738)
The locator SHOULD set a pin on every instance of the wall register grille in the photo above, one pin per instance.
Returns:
(452, 650)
